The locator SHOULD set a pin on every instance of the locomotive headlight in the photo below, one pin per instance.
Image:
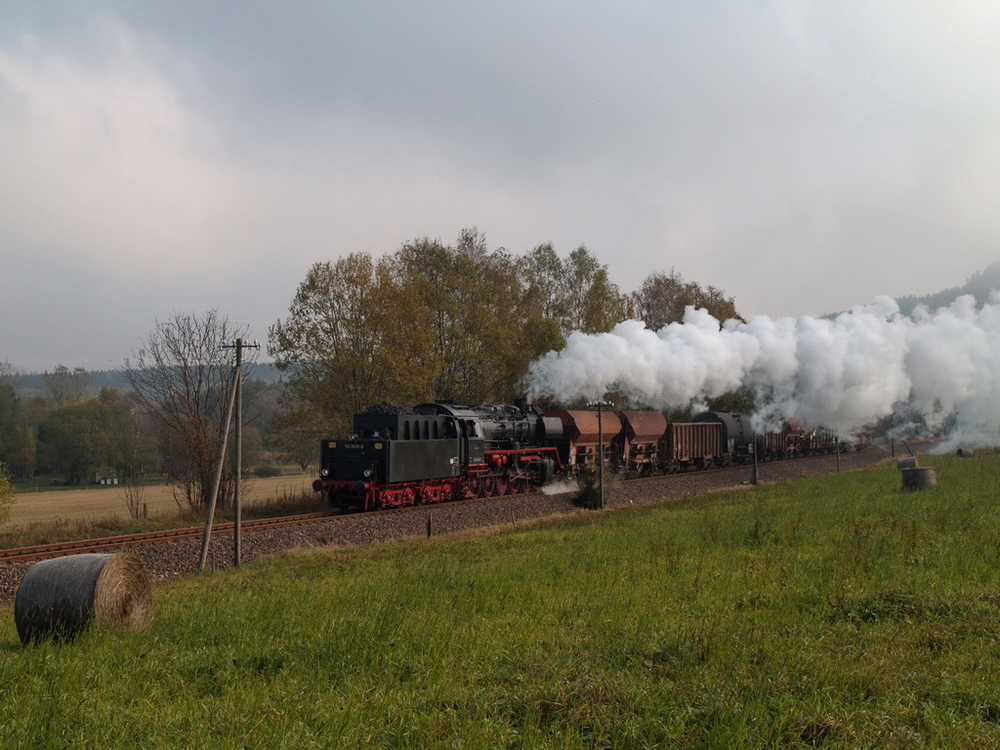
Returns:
(368, 473)
(325, 473)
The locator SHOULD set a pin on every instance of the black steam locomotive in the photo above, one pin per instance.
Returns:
(437, 452)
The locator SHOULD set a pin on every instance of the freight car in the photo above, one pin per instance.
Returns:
(444, 451)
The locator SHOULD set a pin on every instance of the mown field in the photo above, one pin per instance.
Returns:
(834, 611)
(68, 514)
(108, 503)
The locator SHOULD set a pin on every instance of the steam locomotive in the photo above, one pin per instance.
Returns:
(444, 451)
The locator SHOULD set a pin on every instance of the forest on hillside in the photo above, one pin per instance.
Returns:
(980, 285)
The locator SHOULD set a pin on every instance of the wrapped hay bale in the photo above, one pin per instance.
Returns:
(919, 479)
(62, 596)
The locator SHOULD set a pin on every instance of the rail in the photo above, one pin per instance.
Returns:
(104, 544)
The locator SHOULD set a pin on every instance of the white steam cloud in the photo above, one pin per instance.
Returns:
(939, 370)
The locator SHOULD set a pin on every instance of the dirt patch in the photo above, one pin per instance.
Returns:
(101, 503)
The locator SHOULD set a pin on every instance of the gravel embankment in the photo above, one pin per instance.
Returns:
(179, 558)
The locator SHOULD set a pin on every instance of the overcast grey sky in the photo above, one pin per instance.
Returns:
(161, 157)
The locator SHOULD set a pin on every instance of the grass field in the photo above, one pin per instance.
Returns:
(835, 611)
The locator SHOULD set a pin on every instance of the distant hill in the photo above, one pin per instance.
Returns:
(979, 286)
(30, 385)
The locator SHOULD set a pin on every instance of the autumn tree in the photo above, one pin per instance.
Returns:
(662, 299)
(103, 435)
(17, 435)
(7, 494)
(73, 441)
(353, 336)
(545, 276)
(131, 445)
(595, 305)
(294, 429)
(132, 451)
(573, 293)
(458, 322)
(64, 386)
(182, 378)
(542, 272)
(478, 312)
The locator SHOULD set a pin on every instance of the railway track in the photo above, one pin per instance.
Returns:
(105, 544)
(114, 543)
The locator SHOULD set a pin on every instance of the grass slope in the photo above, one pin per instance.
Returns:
(835, 611)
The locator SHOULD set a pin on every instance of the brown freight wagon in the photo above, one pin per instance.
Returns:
(637, 446)
(582, 432)
(697, 444)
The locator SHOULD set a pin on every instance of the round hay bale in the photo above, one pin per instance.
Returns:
(919, 478)
(907, 463)
(966, 453)
(62, 596)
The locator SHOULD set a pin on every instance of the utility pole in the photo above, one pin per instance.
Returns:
(235, 401)
(238, 500)
(600, 445)
(210, 514)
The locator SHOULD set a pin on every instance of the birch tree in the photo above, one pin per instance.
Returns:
(182, 378)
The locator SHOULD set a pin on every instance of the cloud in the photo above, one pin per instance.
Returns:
(804, 158)
(102, 158)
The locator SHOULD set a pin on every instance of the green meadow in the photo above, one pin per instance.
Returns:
(835, 611)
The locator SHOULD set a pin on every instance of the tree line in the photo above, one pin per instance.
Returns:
(74, 434)
(430, 321)
(460, 322)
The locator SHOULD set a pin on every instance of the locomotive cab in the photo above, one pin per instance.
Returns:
(392, 459)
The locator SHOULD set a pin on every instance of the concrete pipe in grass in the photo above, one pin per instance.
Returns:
(919, 478)
(59, 598)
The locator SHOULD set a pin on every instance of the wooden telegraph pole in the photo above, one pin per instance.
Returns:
(235, 399)
(600, 445)
(237, 537)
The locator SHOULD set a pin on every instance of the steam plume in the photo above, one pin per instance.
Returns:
(940, 368)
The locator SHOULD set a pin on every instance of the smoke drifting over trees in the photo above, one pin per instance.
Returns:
(937, 370)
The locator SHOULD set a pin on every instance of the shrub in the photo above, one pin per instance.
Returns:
(266, 470)
(589, 495)
(7, 498)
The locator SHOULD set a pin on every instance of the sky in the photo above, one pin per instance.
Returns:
(178, 157)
